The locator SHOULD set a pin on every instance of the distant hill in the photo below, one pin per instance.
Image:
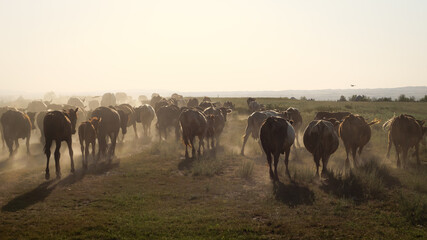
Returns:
(323, 94)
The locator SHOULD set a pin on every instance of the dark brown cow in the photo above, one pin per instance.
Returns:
(155, 98)
(59, 126)
(321, 140)
(337, 115)
(206, 104)
(229, 105)
(108, 127)
(220, 115)
(206, 99)
(16, 125)
(131, 116)
(355, 133)
(193, 124)
(277, 136)
(145, 115)
(210, 131)
(167, 117)
(405, 132)
(193, 102)
(87, 135)
(39, 121)
(294, 115)
(2, 111)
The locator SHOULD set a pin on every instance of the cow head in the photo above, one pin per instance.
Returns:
(334, 122)
(72, 115)
(224, 112)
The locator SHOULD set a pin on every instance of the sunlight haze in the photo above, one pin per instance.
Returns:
(212, 46)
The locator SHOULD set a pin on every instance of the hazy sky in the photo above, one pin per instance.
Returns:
(211, 45)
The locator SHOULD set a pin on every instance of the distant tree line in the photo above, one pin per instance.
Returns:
(364, 98)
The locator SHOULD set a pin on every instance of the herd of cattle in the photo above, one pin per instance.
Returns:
(276, 131)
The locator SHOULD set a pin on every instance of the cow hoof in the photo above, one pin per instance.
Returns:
(58, 176)
(47, 176)
(72, 170)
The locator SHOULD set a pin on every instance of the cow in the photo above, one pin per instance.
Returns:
(193, 102)
(36, 106)
(76, 102)
(254, 106)
(250, 99)
(255, 121)
(206, 104)
(321, 140)
(355, 133)
(16, 125)
(131, 115)
(294, 115)
(405, 132)
(210, 131)
(220, 117)
(87, 135)
(39, 121)
(145, 115)
(59, 126)
(168, 116)
(337, 115)
(206, 99)
(108, 99)
(277, 136)
(93, 104)
(155, 98)
(229, 105)
(108, 127)
(193, 124)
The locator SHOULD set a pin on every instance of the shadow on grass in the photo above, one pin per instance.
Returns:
(293, 194)
(42, 191)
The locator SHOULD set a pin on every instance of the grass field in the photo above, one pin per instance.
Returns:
(151, 192)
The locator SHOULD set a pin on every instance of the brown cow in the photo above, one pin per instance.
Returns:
(321, 140)
(277, 136)
(16, 125)
(355, 132)
(294, 115)
(87, 135)
(145, 115)
(168, 116)
(108, 127)
(59, 126)
(131, 115)
(220, 115)
(193, 124)
(193, 102)
(337, 115)
(405, 132)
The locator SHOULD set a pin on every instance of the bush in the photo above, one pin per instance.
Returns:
(342, 99)
(423, 99)
(246, 169)
(413, 208)
(403, 98)
(207, 167)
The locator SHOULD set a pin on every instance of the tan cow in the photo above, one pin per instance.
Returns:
(405, 132)
(321, 140)
(130, 112)
(355, 132)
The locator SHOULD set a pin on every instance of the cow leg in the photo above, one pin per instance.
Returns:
(397, 154)
(325, 160)
(16, 144)
(201, 143)
(245, 139)
(347, 161)
(417, 146)
(86, 154)
(269, 164)
(57, 156)
(9, 144)
(70, 151)
(193, 149)
(93, 150)
(276, 156)
(27, 143)
(186, 151)
(47, 152)
(353, 152)
(317, 162)
(113, 146)
(134, 129)
(389, 145)
(287, 151)
(405, 156)
(82, 148)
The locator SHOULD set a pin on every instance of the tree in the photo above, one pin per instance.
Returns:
(424, 99)
(342, 99)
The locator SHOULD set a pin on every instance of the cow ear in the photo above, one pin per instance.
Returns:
(291, 122)
(76, 110)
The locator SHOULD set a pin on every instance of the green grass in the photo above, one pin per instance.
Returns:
(155, 193)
